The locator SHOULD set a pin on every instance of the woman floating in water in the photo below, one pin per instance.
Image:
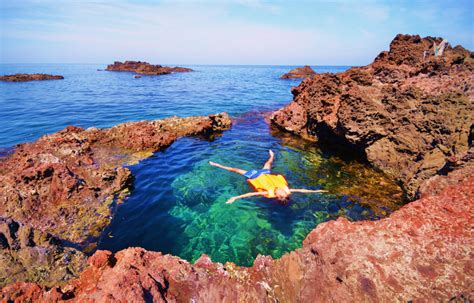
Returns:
(265, 183)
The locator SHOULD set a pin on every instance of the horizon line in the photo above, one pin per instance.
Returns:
(202, 64)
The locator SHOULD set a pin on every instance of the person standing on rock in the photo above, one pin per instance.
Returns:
(265, 183)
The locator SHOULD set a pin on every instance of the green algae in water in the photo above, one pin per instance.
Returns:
(253, 226)
(178, 204)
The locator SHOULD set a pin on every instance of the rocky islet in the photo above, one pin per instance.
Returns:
(299, 73)
(29, 77)
(145, 68)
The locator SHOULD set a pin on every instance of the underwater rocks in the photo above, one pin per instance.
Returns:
(145, 68)
(29, 77)
(300, 72)
(30, 255)
(408, 111)
(67, 183)
(422, 252)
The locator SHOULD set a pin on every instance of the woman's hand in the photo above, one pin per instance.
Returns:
(231, 200)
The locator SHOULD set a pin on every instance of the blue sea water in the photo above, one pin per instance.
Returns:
(177, 204)
(88, 97)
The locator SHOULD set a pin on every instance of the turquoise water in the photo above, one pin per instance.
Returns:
(177, 204)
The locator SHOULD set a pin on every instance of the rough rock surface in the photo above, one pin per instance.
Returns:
(422, 252)
(299, 72)
(67, 183)
(145, 68)
(30, 255)
(29, 77)
(408, 111)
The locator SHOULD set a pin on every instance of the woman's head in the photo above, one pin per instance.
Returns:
(282, 194)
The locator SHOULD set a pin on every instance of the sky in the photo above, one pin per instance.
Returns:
(222, 32)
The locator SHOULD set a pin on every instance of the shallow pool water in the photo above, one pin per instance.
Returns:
(178, 204)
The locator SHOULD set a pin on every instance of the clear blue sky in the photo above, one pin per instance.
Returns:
(222, 32)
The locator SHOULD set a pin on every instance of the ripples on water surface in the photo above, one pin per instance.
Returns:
(178, 202)
(87, 97)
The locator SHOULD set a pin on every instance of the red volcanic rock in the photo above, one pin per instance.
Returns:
(29, 77)
(422, 253)
(145, 68)
(101, 259)
(300, 72)
(408, 111)
(65, 183)
(27, 254)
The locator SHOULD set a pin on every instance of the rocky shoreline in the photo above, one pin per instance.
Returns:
(145, 68)
(66, 184)
(410, 113)
(29, 77)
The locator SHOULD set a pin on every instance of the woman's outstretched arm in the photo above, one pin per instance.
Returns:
(232, 200)
(302, 190)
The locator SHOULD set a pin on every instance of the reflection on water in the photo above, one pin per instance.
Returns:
(178, 204)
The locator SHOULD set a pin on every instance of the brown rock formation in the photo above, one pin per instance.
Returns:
(408, 111)
(145, 68)
(30, 255)
(29, 77)
(422, 252)
(299, 72)
(66, 183)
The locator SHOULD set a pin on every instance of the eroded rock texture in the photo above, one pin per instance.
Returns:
(422, 252)
(145, 68)
(66, 183)
(408, 111)
(29, 77)
(27, 254)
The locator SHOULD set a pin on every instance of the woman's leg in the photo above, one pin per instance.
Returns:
(268, 164)
(232, 169)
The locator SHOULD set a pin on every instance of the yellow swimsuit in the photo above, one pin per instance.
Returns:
(268, 183)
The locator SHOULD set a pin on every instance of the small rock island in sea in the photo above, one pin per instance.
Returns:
(299, 72)
(29, 77)
(145, 68)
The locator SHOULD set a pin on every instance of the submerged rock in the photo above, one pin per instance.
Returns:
(29, 77)
(422, 252)
(407, 112)
(300, 72)
(145, 68)
(66, 183)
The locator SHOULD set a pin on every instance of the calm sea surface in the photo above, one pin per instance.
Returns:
(178, 202)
